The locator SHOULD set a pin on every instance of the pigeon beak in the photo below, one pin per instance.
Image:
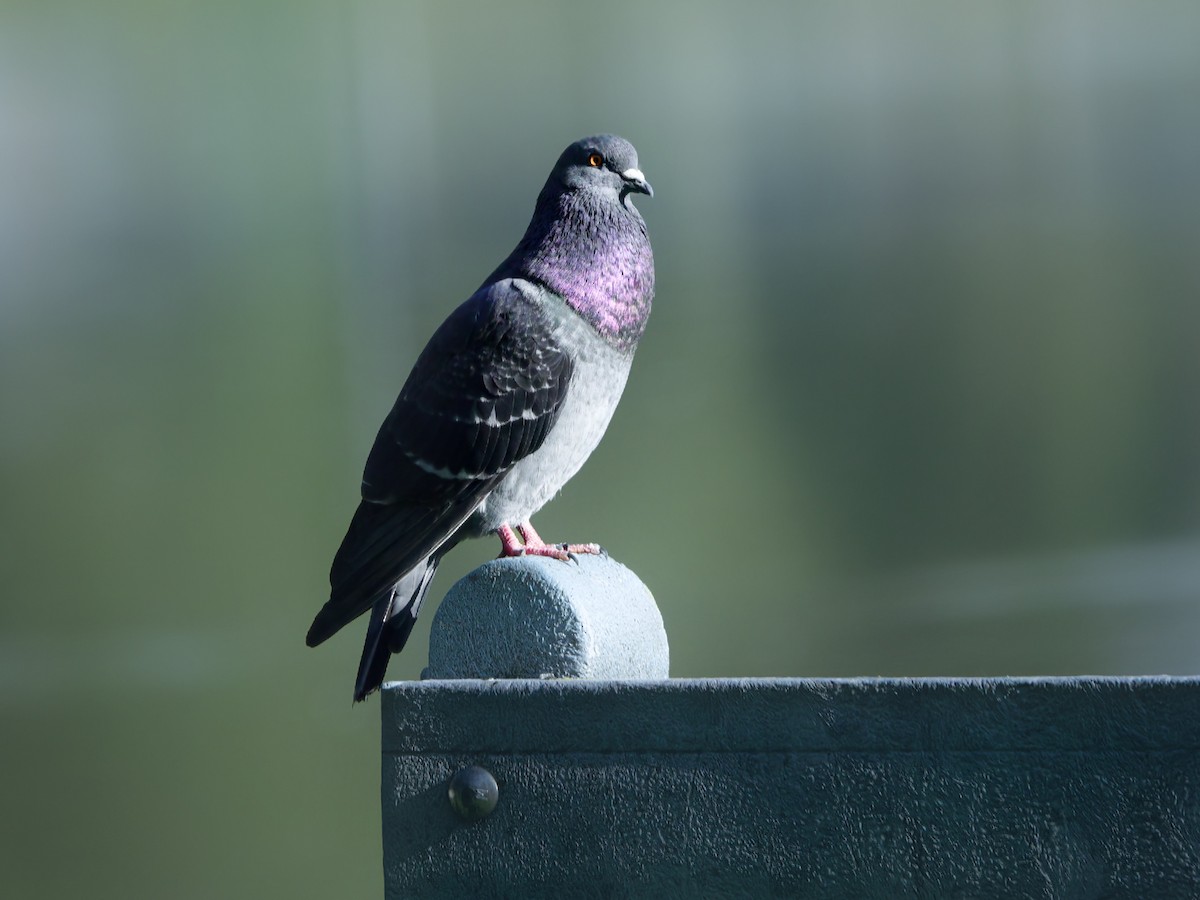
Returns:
(636, 182)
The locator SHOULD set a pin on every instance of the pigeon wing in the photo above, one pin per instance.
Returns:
(483, 394)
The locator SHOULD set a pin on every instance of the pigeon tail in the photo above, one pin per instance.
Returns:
(392, 619)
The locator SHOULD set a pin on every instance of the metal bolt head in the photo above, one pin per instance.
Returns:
(473, 792)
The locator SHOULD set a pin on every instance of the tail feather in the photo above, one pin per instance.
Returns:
(392, 619)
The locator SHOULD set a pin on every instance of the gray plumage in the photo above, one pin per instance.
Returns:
(505, 403)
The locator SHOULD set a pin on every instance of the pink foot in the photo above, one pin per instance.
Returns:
(535, 546)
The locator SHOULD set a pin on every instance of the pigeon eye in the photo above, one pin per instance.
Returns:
(595, 160)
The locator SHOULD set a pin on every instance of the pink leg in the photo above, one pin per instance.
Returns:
(530, 536)
(509, 544)
(535, 546)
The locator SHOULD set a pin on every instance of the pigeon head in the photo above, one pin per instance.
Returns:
(604, 163)
(587, 242)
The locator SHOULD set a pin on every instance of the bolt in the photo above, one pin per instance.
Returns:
(473, 792)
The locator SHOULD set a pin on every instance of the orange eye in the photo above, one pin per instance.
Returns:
(595, 160)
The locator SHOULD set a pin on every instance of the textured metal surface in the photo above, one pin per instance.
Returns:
(529, 616)
(859, 788)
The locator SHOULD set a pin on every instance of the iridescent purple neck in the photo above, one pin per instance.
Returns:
(594, 252)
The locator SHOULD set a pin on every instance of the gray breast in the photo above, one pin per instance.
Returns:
(596, 386)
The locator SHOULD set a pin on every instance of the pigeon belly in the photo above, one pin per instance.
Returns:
(596, 386)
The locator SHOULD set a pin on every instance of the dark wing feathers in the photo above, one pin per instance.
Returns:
(483, 394)
(489, 383)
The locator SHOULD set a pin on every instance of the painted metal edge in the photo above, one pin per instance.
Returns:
(1086, 713)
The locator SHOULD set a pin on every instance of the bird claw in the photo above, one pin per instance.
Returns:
(554, 551)
(535, 546)
(574, 551)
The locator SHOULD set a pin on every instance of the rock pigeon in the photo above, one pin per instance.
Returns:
(504, 404)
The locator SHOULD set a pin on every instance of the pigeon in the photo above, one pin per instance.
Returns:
(505, 403)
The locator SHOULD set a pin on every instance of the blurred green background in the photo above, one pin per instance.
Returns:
(919, 395)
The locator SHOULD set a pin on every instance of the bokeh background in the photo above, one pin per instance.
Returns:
(919, 395)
